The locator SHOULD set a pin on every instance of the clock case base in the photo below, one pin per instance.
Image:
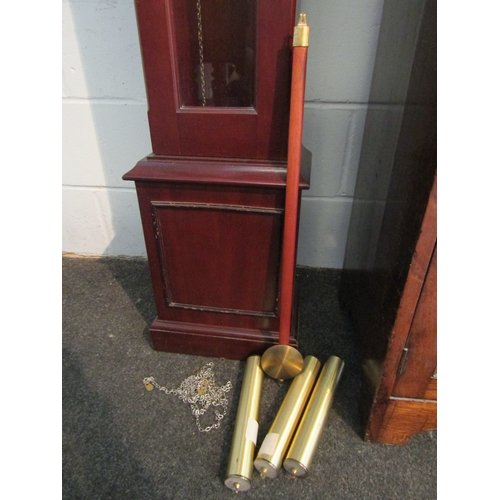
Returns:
(213, 232)
(214, 341)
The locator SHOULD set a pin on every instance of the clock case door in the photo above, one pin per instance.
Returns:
(181, 127)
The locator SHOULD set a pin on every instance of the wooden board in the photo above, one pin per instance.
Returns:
(404, 418)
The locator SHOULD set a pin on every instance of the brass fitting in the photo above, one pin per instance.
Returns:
(301, 32)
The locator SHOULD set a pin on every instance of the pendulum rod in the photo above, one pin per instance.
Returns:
(283, 361)
(292, 186)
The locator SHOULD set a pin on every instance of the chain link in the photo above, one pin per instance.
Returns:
(200, 392)
(200, 47)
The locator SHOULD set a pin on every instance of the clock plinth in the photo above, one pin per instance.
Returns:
(213, 233)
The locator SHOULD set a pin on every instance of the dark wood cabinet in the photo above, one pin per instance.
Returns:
(212, 193)
(403, 396)
(389, 280)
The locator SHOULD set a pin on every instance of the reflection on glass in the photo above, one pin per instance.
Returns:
(216, 51)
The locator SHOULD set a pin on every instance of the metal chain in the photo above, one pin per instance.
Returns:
(201, 392)
(200, 47)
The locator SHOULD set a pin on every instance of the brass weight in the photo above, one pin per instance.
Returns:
(305, 442)
(270, 457)
(241, 456)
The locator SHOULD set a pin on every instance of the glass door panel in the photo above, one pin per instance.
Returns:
(215, 49)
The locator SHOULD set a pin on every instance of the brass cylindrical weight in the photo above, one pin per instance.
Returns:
(305, 442)
(270, 457)
(241, 456)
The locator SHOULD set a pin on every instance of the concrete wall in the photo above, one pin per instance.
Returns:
(105, 129)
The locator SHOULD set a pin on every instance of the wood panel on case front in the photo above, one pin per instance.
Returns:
(258, 132)
(220, 229)
(212, 256)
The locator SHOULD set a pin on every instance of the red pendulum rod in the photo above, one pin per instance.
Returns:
(283, 361)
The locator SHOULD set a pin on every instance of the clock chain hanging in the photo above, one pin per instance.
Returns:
(200, 47)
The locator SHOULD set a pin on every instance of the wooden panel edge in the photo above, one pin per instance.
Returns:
(406, 417)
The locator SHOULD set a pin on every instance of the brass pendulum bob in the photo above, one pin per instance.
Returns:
(283, 361)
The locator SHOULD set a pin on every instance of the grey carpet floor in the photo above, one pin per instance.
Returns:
(120, 441)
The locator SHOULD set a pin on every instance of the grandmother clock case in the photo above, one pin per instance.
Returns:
(212, 193)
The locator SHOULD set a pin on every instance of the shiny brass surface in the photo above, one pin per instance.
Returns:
(270, 457)
(305, 442)
(301, 32)
(282, 362)
(242, 453)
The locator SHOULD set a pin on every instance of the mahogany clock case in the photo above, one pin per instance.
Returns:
(249, 47)
(212, 193)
